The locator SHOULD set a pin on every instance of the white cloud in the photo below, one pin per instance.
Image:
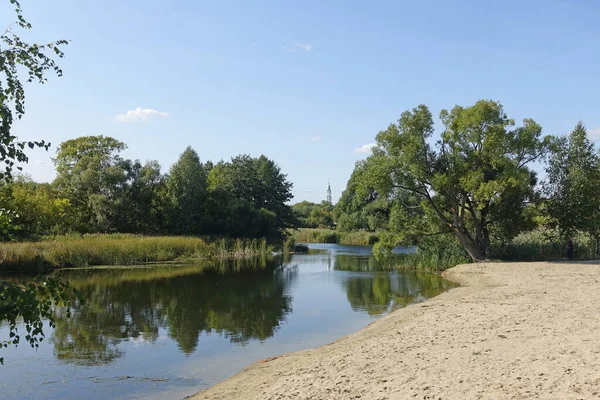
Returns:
(365, 148)
(594, 134)
(140, 114)
(299, 46)
(315, 139)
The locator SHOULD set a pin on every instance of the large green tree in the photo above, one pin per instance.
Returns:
(106, 192)
(464, 181)
(91, 174)
(362, 206)
(187, 188)
(573, 171)
(144, 201)
(260, 184)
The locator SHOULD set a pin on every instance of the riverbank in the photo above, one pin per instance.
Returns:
(120, 249)
(512, 330)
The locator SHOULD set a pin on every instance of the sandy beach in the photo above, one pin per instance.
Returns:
(511, 331)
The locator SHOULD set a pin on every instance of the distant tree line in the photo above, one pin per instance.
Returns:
(96, 190)
(314, 215)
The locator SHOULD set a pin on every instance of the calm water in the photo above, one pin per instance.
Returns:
(168, 332)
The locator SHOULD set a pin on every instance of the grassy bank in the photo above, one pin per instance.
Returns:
(442, 253)
(430, 262)
(309, 235)
(119, 249)
(431, 255)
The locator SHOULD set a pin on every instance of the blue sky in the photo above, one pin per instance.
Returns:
(305, 83)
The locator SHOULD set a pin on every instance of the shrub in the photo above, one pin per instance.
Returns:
(543, 245)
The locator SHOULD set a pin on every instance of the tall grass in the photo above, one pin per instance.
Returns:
(309, 235)
(432, 254)
(432, 261)
(543, 245)
(440, 253)
(120, 249)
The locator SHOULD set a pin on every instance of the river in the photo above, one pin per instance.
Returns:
(165, 332)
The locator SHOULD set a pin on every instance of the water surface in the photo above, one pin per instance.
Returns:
(168, 332)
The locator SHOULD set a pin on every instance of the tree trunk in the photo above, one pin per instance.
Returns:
(483, 240)
(470, 245)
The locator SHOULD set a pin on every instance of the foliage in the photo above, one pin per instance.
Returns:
(96, 190)
(572, 188)
(544, 244)
(432, 253)
(436, 254)
(361, 207)
(142, 199)
(474, 179)
(7, 223)
(33, 302)
(35, 61)
(255, 193)
(91, 175)
(314, 215)
(289, 246)
(38, 209)
(187, 189)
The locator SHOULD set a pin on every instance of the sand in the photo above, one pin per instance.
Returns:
(511, 331)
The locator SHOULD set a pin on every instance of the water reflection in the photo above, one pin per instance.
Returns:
(188, 326)
(349, 262)
(385, 292)
(237, 303)
(238, 300)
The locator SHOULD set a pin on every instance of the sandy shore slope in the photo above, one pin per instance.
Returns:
(512, 331)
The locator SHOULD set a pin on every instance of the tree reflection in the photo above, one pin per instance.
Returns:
(382, 292)
(354, 263)
(240, 300)
(370, 294)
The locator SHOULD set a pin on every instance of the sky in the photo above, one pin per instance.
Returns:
(307, 83)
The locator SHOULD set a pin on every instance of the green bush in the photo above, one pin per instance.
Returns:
(543, 245)
(289, 245)
(436, 253)
(432, 254)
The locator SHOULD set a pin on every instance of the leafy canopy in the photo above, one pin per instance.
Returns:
(572, 187)
(34, 60)
(463, 182)
(187, 189)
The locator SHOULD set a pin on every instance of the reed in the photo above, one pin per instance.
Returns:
(75, 251)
